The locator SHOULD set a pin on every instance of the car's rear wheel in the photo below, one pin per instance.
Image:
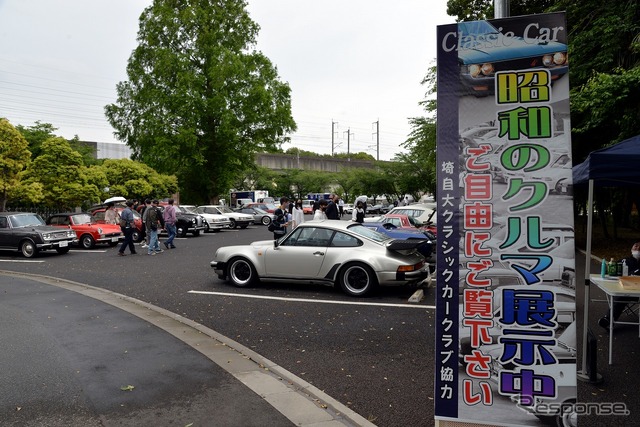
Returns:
(87, 242)
(232, 223)
(357, 279)
(62, 250)
(28, 249)
(266, 220)
(242, 273)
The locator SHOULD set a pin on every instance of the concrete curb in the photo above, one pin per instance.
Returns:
(301, 402)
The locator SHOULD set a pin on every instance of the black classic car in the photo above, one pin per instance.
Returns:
(187, 222)
(28, 233)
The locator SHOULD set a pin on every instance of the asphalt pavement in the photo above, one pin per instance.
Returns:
(74, 354)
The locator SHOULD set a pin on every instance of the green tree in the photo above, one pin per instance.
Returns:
(471, 10)
(132, 179)
(15, 157)
(200, 100)
(60, 170)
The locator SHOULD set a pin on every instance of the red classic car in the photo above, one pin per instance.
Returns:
(98, 216)
(88, 231)
(406, 221)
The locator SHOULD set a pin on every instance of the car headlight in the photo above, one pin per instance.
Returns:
(71, 233)
(194, 220)
(485, 69)
(558, 58)
(46, 236)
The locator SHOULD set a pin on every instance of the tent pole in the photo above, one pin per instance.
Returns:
(584, 375)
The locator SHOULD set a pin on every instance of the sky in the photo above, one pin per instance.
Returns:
(354, 66)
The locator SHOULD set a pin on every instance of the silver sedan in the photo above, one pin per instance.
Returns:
(338, 253)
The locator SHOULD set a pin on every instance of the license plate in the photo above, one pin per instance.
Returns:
(114, 239)
(63, 244)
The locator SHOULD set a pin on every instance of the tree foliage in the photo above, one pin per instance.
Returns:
(62, 174)
(200, 100)
(15, 158)
(135, 180)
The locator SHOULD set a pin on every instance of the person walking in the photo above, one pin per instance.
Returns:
(110, 215)
(340, 207)
(358, 213)
(142, 210)
(332, 208)
(169, 216)
(127, 226)
(280, 221)
(298, 214)
(153, 224)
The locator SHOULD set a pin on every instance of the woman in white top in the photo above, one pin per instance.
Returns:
(298, 214)
(319, 214)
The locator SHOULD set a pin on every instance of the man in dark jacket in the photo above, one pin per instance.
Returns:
(332, 208)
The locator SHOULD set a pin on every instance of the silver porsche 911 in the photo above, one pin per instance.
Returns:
(339, 253)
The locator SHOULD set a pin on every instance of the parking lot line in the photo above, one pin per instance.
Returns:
(370, 304)
(17, 260)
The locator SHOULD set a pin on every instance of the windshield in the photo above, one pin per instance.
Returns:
(369, 233)
(187, 209)
(260, 211)
(83, 219)
(25, 220)
(473, 28)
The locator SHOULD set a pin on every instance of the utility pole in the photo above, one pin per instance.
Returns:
(377, 134)
(501, 9)
(348, 132)
(333, 132)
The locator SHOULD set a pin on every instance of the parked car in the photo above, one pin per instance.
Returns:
(307, 206)
(213, 221)
(88, 231)
(377, 209)
(28, 234)
(480, 59)
(347, 208)
(98, 215)
(337, 253)
(422, 213)
(269, 207)
(237, 219)
(187, 222)
(426, 248)
(259, 216)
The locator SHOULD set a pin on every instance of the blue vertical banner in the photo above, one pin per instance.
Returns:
(505, 308)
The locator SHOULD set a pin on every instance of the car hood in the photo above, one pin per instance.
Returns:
(518, 49)
(42, 228)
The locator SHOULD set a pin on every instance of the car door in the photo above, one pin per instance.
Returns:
(300, 255)
(5, 232)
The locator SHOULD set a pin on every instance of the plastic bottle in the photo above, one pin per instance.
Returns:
(625, 268)
(603, 268)
(613, 268)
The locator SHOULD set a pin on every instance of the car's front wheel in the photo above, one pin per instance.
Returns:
(357, 279)
(232, 223)
(242, 273)
(181, 231)
(136, 236)
(87, 242)
(28, 249)
(266, 220)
